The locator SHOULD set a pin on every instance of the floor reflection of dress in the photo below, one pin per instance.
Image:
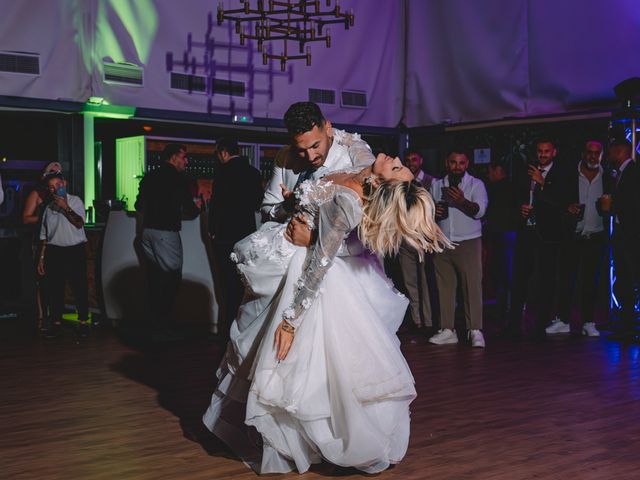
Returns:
(343, 392)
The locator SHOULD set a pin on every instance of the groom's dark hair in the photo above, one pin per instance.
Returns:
(301, 117)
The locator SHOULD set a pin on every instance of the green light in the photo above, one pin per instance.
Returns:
(97, 101)
(130, 155)
(141, 20)
(89, 163)
(100, 41)
(73, 317)
(104, 110)
(242, 119)
(91, 111)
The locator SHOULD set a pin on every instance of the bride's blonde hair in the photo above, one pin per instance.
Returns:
(401, 211)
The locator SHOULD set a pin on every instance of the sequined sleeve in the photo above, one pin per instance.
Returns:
(337, 218)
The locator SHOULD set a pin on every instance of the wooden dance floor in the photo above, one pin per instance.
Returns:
(564, 409)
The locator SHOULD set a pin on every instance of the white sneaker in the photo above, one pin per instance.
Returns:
(477, 339)
(589, 329)
(444, 336)
(557, 326)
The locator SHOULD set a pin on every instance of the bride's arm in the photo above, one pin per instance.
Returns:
(337, 218)
(300, 234)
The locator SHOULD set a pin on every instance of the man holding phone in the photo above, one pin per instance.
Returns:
(63, 256)
(465, 198)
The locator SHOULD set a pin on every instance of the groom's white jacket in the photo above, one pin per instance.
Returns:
(347, 150)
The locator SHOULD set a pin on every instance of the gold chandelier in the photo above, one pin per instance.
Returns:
(300, 22)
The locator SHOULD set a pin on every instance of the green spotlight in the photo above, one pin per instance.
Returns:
(104, 110)
(97, 107)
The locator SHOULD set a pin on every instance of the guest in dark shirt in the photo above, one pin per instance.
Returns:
(624, 205)
(543, 196)
(237, 195)
(164, 199)
(411, 275)
(499, 233)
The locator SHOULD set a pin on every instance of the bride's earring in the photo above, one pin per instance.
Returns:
(372, 180)
(370, 183)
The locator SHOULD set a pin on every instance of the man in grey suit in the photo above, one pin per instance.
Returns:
(316, 149)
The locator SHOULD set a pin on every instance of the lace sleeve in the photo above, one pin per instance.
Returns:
(359, 150)
(337, 218)
(352, 246)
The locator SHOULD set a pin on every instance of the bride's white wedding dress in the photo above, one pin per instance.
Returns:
(343, 392)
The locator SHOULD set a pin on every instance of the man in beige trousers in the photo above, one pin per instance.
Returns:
(461, 201)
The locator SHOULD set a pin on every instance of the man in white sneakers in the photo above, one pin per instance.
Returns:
(461, 201)
(582, 251)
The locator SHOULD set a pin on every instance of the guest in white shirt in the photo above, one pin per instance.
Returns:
(582, 252)
(461, 201)
(63, 255)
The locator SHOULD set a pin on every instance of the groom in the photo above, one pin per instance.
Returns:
(316, 149)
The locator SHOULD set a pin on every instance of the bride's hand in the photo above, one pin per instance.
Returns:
(282, 341)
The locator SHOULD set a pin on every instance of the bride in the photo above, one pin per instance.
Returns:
(313, 351)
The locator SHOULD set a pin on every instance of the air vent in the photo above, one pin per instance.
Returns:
(319, 95)
(228, 87)
(189, 83)
(352, 98)
(123, 74)
(24, 63)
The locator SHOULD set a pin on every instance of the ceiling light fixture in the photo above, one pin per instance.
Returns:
(300, 22)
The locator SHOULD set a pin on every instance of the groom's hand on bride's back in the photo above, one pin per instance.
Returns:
(298, 232)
